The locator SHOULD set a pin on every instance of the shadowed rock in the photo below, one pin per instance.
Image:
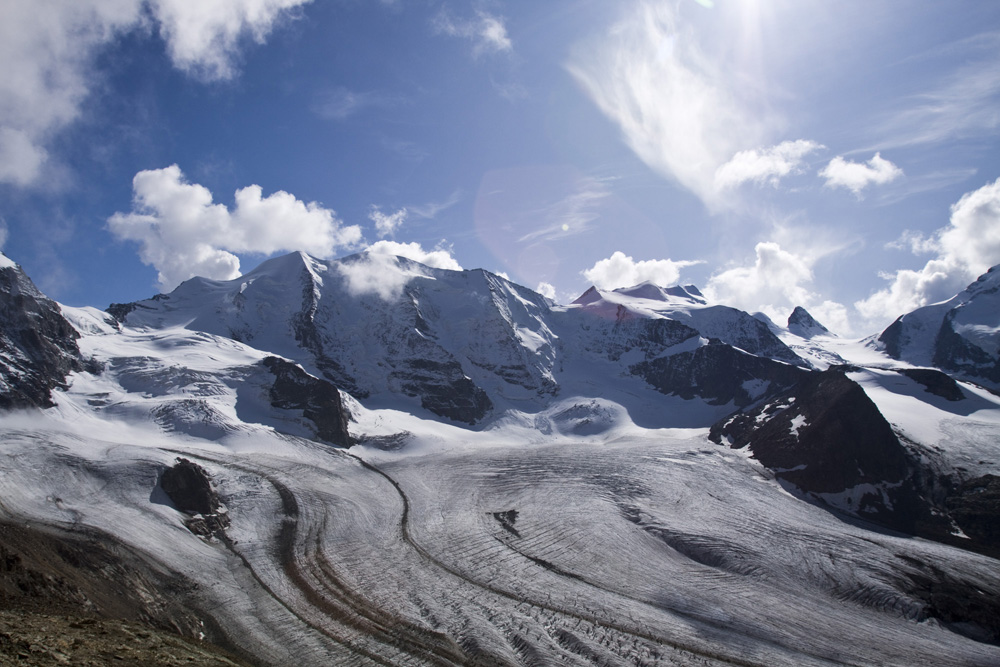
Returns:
(319, 400)
(37, 345)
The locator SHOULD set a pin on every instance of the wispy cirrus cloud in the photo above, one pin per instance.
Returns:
(340, 103)
(486, 31)
(962, 103)
(573, 213)
(430, 210)
(681, 112)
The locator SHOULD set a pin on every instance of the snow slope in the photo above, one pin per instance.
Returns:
(587, 520)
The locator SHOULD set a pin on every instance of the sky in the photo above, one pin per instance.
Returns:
(842, 156)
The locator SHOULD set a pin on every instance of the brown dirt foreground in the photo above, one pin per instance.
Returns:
(71, 598)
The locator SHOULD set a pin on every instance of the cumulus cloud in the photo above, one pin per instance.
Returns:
(765, 165)
(203, 38)
(47, 49)
(856, 176)
(964, 249)
(438, 258)
(386, 224)
(620, 270)
(776, 282)
(182, 233)
(378, 272)
(682, 114)
(487, 32)
(546, 290)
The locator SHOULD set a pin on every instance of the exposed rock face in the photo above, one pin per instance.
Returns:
(968, 608)
(935, 382)
(828, 439)
(189, 487)
(443, 389)
(975, 507)
(320, 402)
(824, 436)
(37, 345)
(718, 373)
(801, 323)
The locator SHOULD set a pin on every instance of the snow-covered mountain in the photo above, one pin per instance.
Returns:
(638, 477)
(470, 345)
(804, 325)
(960, 335)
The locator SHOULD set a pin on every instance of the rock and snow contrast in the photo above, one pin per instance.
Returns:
(371, 461)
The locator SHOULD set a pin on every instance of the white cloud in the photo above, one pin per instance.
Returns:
(546, 290)
(765, 165)
(776, 282)
(47, 49)
(856, 176)
(620, 270)
(438, 258)
(486, 31)
(682, 114)
(965, 249)
(182, 233)
(377, 271)
(386, 224)
(203, 38)
(21, 159)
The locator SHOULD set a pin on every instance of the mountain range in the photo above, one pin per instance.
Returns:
(266, 423)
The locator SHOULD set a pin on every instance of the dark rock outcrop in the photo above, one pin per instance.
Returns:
(966, 607)
(935, 382)
(829, 440)
(719, 374)
(319, 400)
(824, 436)
(975, 508)
(37, 345)
(189, 488)
(443, 388)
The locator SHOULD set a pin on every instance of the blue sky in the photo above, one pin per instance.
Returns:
(837, 155)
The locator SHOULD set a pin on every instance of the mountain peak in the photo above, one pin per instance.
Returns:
(801, 323)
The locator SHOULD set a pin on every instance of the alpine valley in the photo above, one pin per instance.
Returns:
(371, 461)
